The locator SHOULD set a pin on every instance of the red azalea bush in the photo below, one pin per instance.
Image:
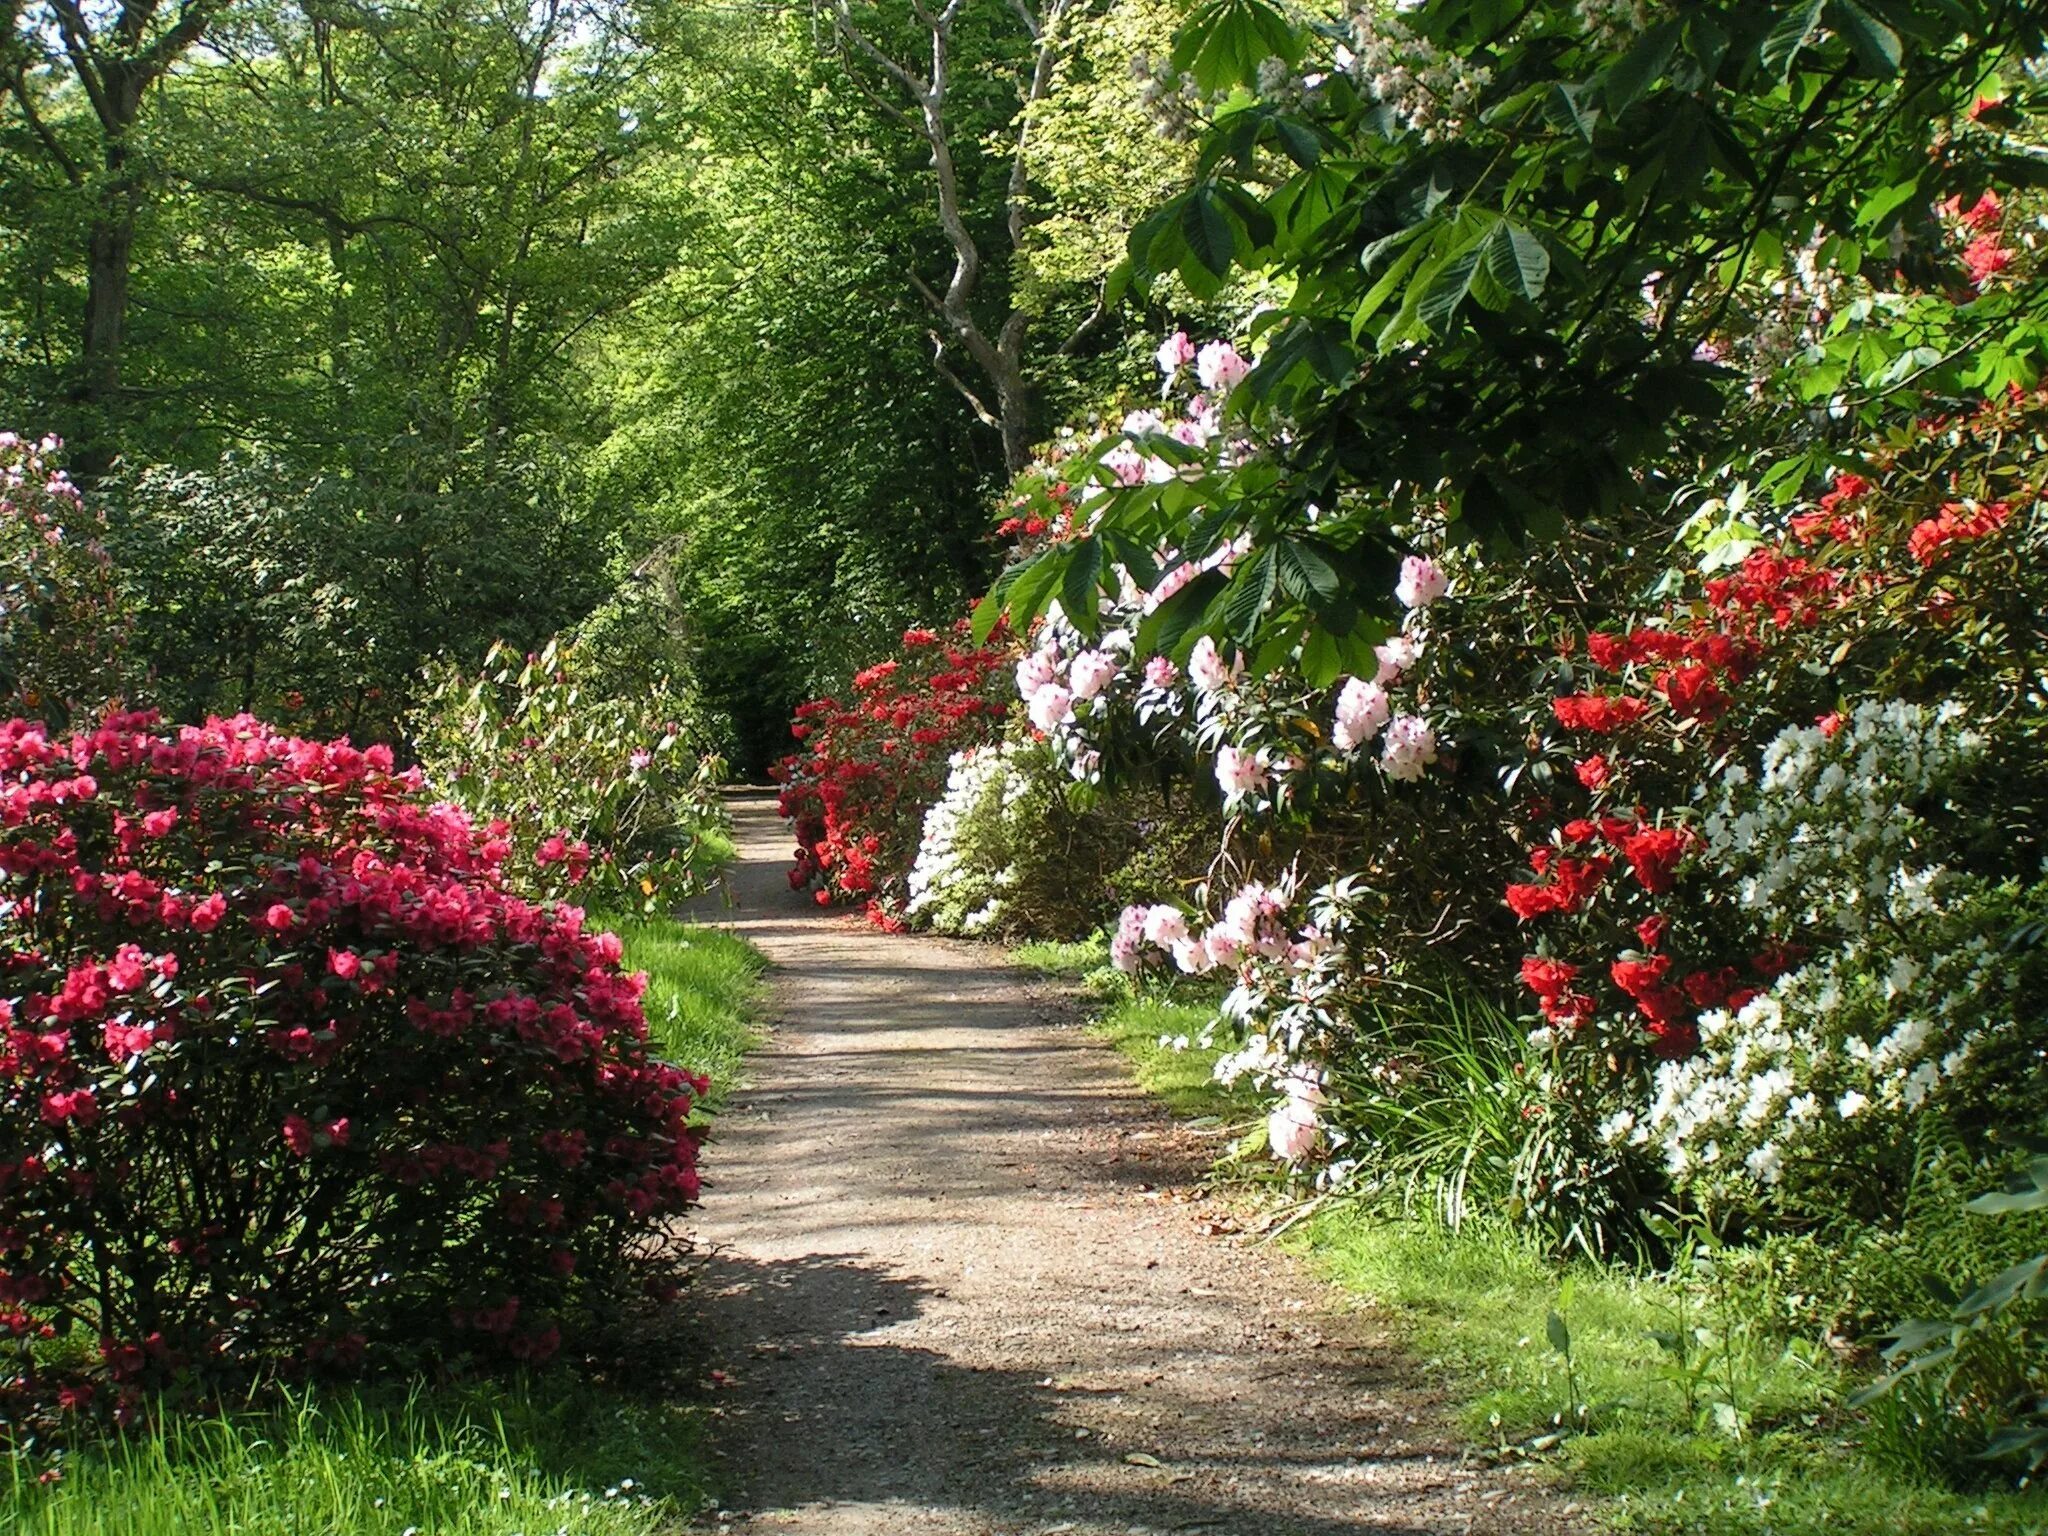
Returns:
(1915, 580)
(286, 1073)
(872, 765)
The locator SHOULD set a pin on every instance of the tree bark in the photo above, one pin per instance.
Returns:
(997, 352)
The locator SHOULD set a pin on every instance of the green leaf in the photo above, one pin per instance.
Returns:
(1558, 1332)
(986, 613)
(1244, 601)
(1032, 589)
(1565, 111)
(1305, 574)
(1876, 45)
(1224, 42)
(1792, 36)
(1078, 586)
(1641, 67)
(1299, 141)
(1390, 280)
(1886, 201)
(1322, 662)
(2002, 1290)
(1516, 260)
(1210, 237)
(1447, 290)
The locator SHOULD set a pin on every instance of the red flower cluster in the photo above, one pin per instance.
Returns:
(872, 765)
(283, 1062)
(1956, 523)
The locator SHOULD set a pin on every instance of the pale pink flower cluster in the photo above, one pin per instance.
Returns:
(1160, 672)
(1294, 1127)
(1220, 368)
(1240, 773)
(1050, 707)
(1174, 354)
(1396, 655)
(1209, 672)
(1410, 747)
(1362, 708)
(1091, 672)
(1421, 583)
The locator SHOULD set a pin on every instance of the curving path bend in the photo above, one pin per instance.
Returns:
(957, 1282)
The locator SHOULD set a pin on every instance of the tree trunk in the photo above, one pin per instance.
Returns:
(109, 245)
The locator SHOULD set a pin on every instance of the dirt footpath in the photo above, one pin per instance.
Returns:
(958, 1286)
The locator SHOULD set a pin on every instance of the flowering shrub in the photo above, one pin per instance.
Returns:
(1014, 847)
(962, 868)
(288, 1074)
(62, 618)
(598, 779)
(869, 767)
(1911, 1007)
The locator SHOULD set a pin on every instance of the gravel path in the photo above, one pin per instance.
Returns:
(959, 1282)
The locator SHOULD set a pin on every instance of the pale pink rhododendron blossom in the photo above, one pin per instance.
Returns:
(1174, 354)
(1206, 667)
(1035, 671)
(1126, 944)
(1410, 747)
(1396, 655)
(1295, 1127)
(1049, 706)
(1126, 463)
(1161, 673)
(1165, 926)
(1421, 583)
(1240, 773)
(1091, 672)
(1362, 708)
(1219, 367)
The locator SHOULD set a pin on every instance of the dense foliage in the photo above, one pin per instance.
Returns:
(589, 755)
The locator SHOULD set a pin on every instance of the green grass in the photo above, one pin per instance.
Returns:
(520, 1459)
(1472, 1307)
(701, 986)
(507, 1461)
(1053, 958)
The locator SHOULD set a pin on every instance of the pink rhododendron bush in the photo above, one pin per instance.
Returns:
(290, 1077)
(63, 619)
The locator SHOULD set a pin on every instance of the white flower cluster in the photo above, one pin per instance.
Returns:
(1610, 24)
(1880, 1023)
(1845, 1048)
(1428, 91)
(952, 885)
(1826, 832)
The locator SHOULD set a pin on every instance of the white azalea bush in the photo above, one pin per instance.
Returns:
(1909, 1014)
(963, 866)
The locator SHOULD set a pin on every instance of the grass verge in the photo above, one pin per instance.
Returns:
(1746, 1435)
(701, 986)
(516, 1458)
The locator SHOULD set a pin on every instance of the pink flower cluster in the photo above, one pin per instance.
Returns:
(281, 1051)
